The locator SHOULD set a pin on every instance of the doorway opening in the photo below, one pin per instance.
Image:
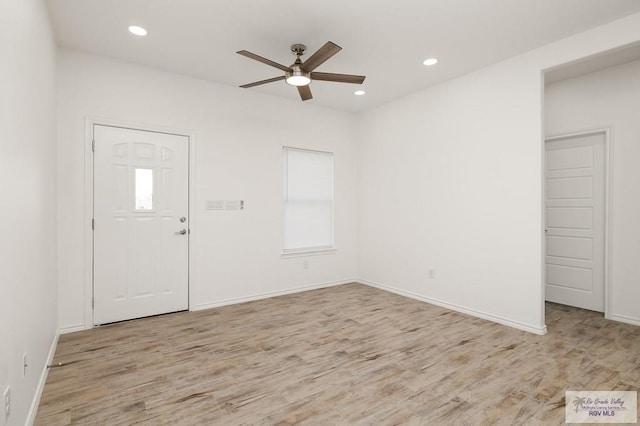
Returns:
(575, 204)
(588, 118)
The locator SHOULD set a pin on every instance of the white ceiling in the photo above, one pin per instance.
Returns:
(386, 40)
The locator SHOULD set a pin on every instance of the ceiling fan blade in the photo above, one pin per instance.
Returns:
(263, 60)
(258, 83)
(305, 92)
(339, 78)
(325, 52)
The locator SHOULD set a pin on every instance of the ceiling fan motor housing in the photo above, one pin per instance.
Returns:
(296, 76)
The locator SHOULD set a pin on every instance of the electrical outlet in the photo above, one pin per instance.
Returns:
(24, 364)
(7, 403)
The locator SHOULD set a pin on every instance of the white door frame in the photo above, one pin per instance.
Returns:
(608, 240)
(90, 122)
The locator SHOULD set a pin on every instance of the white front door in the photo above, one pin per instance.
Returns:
(575, 211)
(141, 228)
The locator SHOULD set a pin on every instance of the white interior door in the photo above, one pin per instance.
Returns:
(141, 232)
(575, 210)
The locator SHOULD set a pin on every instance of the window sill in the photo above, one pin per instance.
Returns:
(307, 252)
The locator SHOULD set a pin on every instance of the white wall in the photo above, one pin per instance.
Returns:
(239, 136)
(609, 99)
(28, 321)
(450, 178)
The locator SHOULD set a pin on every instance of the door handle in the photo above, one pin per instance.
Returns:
(182, 232)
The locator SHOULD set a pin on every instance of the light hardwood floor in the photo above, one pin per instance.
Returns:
(344, 355)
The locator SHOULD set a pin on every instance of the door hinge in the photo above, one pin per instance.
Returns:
(93, 224)
(93, 145)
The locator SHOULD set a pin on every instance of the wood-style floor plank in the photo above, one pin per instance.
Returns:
(343, 355)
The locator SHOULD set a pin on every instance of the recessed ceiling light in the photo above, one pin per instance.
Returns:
(430, 61)
(139, 31)
(359, 92)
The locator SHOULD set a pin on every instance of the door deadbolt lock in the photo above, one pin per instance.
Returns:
(183, 219)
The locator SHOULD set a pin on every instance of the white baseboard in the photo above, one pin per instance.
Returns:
(458, 308)
(33, 410)
(72, 328)
(625, 319)
(236, 300)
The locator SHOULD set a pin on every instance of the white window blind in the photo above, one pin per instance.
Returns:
(308, 200)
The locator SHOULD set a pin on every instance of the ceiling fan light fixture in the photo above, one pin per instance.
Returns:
(297, 77)
(298, 80)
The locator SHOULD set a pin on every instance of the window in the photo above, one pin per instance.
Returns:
(144, 189)
(308, 200)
